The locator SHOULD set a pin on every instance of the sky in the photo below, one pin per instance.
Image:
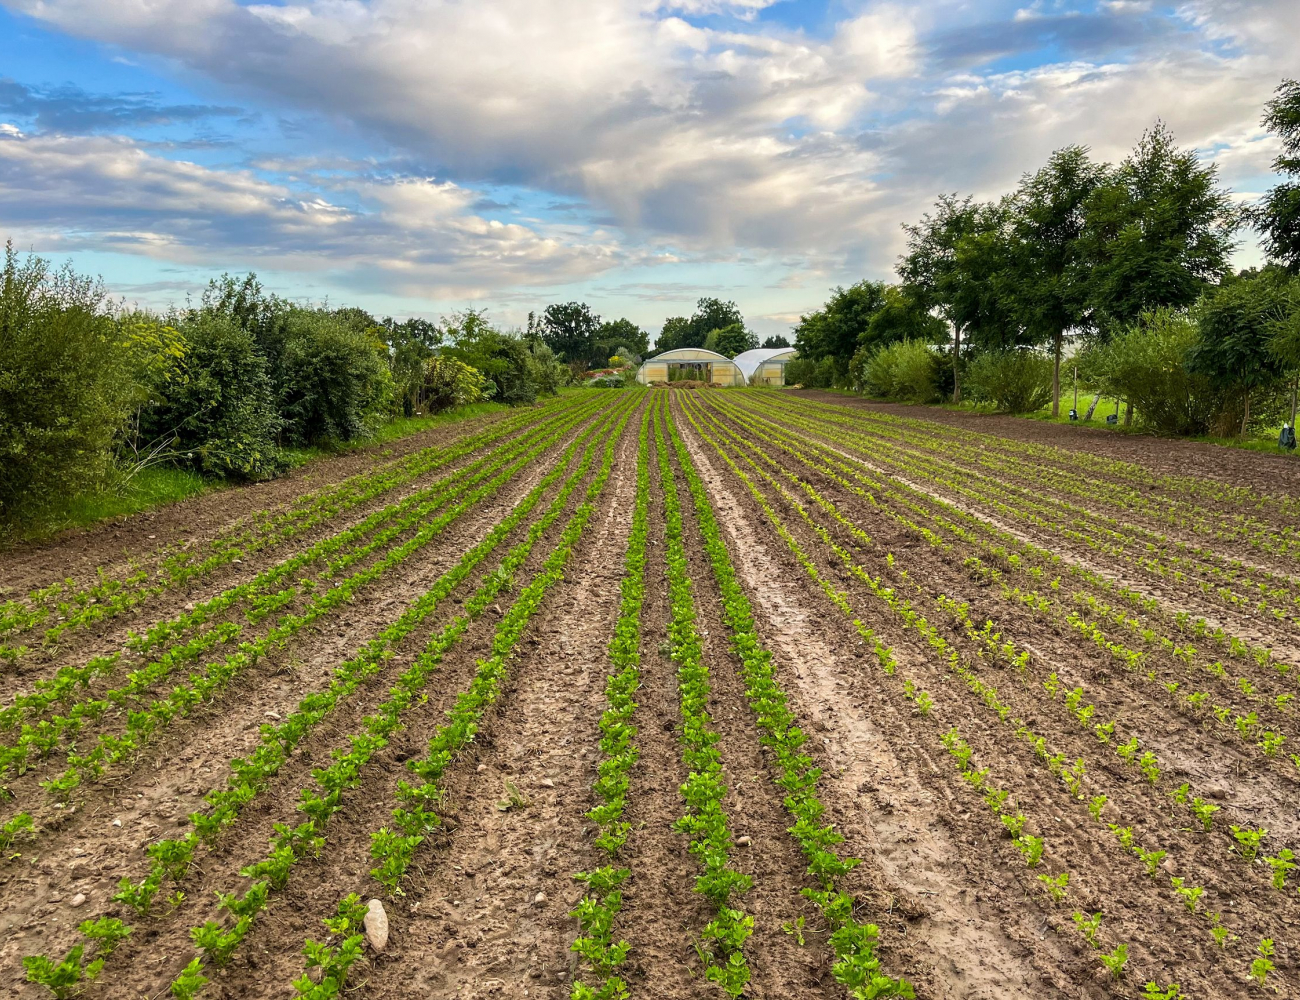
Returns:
(418, 157)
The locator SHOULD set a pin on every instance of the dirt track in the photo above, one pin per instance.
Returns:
(872, 553)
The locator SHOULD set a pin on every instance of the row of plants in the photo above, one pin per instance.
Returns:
(393, 848)
(143, 724)
(705, 819)
(171, 859)
(75, 607)
(292, 845)
(1098, 531)
(1071, 777)
(1016, 556)
(598, 910)
(345, 547)
(854, 942)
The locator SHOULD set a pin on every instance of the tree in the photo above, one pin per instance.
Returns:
(617, 333)
(731, 340)
(569, 329)
(776, 340)
(1157, 231)
(673, 335)
(1049, 275)
(901, 317)
(931, 272)
(1278, 213)
(710, 314)
(1237, 322)
(411, 343)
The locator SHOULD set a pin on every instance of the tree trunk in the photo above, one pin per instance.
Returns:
(1294, 385)
(1245, 414)
(956, 365)
(1093, 407)
(1128, 413)
(1056, 376)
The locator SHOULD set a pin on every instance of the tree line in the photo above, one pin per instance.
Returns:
(1126, 265)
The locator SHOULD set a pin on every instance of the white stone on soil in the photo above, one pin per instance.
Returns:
(376, 925)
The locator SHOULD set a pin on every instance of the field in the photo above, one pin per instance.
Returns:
(668, 693)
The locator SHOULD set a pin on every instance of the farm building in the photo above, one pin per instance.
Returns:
(768, 363)
(691, 363)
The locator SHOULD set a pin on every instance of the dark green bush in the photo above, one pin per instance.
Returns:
(66, 385)
(220, 412)
(907, 371)
(1015, 381)
(450, 382)
(334, 379)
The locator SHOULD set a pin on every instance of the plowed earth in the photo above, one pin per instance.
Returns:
(1036, 681)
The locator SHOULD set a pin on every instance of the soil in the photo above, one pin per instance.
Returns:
(865, 502)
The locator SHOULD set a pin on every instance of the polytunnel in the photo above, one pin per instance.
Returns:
(690, 363)
(768, 363)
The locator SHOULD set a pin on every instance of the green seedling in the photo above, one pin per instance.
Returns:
(1116, 961)
(795, 929)
(1222, 936)
(1190, 895)
(1088, 926)
(1096, 805)
(1152, 991)
(1204, 811)
(1056, 885)
(1248, 841)
(1281, 865)
(1032, 848)
(1152, 860)
(515, 799)
(190, 982)
(1262, 966)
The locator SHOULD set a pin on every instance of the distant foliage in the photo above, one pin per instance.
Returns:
(907, 371)
(66, 384)
(449, 382)
(1015, 381)
(220, 415)
(335, 382)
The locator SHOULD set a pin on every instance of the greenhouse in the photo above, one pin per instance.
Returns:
(691, 363)
(765, 365)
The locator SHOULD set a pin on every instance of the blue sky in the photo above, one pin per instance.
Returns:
(420, 156)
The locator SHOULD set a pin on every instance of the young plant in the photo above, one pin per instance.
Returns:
(1248, 841)
(1088, 927)
(1056, 885)
(1116, 961)
(1262, 966)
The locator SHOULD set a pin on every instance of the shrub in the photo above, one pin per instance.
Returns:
(221, 412)
(813, 374)
(450, 382)
(334, 378)
(1147, 364)
(907, 371)
(66, 385)
(1015, 381)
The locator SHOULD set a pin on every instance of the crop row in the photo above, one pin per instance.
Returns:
(393, 848)
(988, 695)
(172, 858)
(73, 607)
(598, 910)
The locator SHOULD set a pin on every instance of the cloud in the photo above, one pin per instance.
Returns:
(662, 132)
(409, 235)
(71, 109)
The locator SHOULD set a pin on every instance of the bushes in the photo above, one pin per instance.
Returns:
(1147, 364)
(66, 385)
(907, 371)
(334, 380)
(1016, 381)
(813, 374)
(220, 413)
(450, 382)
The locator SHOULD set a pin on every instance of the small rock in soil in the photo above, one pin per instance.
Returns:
(540, 898)
(743, 841)
(77, 900)
(376, 925)
(548, 783)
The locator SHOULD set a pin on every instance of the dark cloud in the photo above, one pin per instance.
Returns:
(1072, 35)
(71, 110)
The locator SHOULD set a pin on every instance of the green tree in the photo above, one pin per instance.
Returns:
(504, 359)
(956, 262)
(901, 317)
(1049, 274)
(1238, 321)
(1278, 213)
(67, 385)
(617, 333)
(776, 340)
(731, 340)
(1156, 232)
(710, 314)
(411, 343)
(569, 329)
(839, 327)
(334, 379)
